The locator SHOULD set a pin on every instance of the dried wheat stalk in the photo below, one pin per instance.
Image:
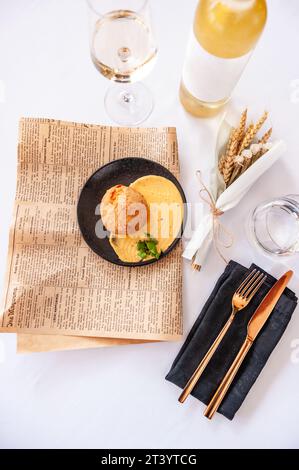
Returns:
(261, 121)
(263, 140)
(247, 139)
(248, 160)
(252, 131)
(225, 155)
(242, 124)
(266, 136)
(233, 163)
(238, 165)
(228, 165)
(233, 143)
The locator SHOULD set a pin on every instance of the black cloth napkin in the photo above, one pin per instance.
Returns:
(206, 328)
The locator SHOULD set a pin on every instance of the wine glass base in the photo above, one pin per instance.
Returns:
(129, 104)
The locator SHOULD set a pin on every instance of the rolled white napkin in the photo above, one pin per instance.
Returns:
(227, 198)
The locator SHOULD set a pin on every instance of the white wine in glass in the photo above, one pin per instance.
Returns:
(123, 49)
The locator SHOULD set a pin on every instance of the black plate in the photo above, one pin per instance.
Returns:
(123, 171)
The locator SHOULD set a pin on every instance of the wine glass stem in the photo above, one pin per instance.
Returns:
(128, 104)
(127, 97)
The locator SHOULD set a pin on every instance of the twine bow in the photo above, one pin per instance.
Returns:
(218, 227)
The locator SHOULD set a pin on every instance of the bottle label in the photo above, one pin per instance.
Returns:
(210, 78)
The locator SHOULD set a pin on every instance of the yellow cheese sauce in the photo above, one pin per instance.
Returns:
(166, 211)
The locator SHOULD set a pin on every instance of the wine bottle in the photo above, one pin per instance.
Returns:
(224, 35)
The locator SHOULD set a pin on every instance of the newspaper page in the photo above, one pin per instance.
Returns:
(55, 285)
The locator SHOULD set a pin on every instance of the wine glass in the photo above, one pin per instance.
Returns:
(123, 49)
(273, 226)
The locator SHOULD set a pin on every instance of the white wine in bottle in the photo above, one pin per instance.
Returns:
(223, 37)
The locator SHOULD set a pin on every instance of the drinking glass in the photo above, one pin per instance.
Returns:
(273, 225)
(123, 49)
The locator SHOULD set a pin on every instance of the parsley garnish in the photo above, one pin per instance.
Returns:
(148, 247)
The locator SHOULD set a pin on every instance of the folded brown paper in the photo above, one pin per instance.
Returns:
(28, 343)
(55, 285)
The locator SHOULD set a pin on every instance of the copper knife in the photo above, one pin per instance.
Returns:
(254, 326)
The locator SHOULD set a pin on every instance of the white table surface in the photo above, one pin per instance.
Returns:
(117, 397)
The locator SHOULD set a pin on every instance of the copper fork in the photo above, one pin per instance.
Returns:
(241, 298)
